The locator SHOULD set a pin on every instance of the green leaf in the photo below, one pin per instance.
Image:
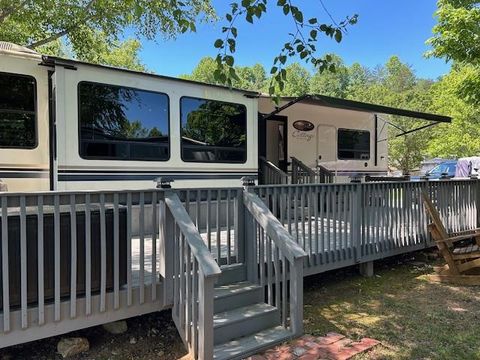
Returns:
(218, 43)
(312, 21)
(298, 15)
(229, 17)
(273, 70)
(234, 31)
(286, 9)
(338, 35)
(229, 60)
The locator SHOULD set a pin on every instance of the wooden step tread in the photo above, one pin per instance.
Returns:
(241, 314)
(235, 288)
(251, 344)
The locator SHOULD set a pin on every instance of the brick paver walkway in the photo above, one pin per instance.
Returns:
(333, 346)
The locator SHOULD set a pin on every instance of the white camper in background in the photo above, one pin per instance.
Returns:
(348, 142)
(70, 125)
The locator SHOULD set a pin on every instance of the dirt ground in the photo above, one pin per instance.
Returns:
(151, 336)
(413, 318)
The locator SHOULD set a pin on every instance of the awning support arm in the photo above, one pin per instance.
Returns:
(287, 105)
(417, 129)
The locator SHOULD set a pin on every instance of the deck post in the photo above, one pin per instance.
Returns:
(249, 239)
(296, 297)
(166, 254)
(366, 269)
(478, 203)
(205, 317)
(357, 222)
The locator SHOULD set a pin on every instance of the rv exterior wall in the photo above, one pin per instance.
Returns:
(29, 169)
(120, 174)
(309, 145)
(26, 169)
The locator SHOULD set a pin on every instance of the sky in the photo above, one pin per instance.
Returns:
(385, 28)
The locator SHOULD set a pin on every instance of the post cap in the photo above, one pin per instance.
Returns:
(164, 182)
(248, 181)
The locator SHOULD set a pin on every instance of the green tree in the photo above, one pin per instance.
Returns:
(298, 80)
(456, 37)
(461, 137)
(91, 29)
(331, 83)
(203, 72)
(249, 77)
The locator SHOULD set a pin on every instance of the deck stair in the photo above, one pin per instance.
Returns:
(243, 323)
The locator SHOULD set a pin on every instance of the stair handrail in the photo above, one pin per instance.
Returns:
(270, 247)
(200, 251)
(324, 174)
(192, 276)
(273, 227)
(301, 173)
(272, 172)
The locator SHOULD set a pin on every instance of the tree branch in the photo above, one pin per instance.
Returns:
(6, 13)
(64, 32)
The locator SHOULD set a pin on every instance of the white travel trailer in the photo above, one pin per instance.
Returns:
(348, 138)
(66, 124)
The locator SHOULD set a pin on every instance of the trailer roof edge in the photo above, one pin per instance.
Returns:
(53, 60)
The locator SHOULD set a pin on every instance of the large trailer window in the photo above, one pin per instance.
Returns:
(213, 131)
(122, 123)
(353, 144)
(17, 111)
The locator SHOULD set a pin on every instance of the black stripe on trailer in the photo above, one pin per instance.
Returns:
(24, 174)
(105, 176)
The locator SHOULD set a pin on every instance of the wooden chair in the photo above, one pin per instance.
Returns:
(462, 261)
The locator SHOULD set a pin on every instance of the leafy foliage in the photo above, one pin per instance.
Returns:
(457, 38)
(92, 28)
(302, 41)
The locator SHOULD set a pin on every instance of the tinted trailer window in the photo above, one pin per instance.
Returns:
(213, 131)
(353, 144)
(122, 123)
(17, 111)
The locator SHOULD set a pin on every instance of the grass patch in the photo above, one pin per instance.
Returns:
(412, 317)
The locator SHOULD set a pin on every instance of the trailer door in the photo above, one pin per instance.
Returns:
(327, 146)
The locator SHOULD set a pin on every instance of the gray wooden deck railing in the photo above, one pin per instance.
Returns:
(71, 260)
(195, 272)
(74, 259)
(324, 176)
(344, 224)
(301, 173)
(270, 173)
(273, 258)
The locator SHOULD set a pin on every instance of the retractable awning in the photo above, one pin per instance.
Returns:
(328, 101)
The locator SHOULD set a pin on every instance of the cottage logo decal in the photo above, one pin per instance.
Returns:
(302, 128)
(303, 125)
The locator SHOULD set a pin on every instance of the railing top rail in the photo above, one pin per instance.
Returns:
(301, 165)
(108, 192)
(433, 181)
(206, 262)
(272, 166)
(273, 227)
(78, 192)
